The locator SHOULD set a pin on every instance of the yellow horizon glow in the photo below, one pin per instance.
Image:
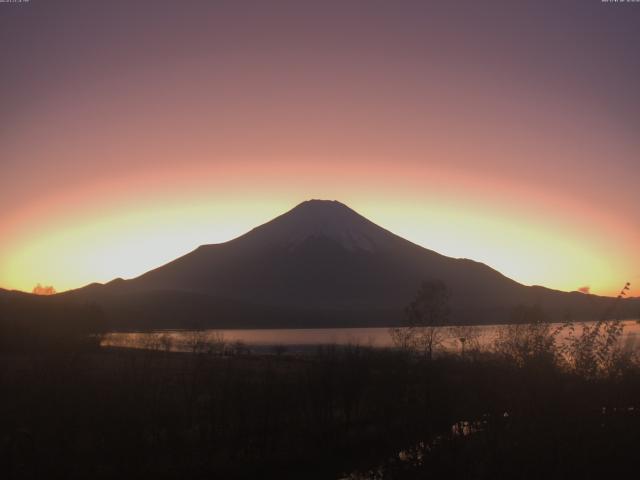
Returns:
(80, 243)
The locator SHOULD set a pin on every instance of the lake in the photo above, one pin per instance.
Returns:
(303, 339)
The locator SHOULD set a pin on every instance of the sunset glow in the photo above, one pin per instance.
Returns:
(116, 160)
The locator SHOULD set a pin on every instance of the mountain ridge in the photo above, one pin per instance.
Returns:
(319, 264)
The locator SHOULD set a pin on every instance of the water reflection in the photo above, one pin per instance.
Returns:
(281, 340)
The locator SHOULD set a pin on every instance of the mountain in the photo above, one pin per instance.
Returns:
(320, 264)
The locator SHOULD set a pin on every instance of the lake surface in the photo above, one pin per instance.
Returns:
(306, 338)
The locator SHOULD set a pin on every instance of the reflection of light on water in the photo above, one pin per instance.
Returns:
(414, 456)
(305, 338)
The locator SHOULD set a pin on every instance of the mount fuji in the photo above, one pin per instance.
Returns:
(320, 264)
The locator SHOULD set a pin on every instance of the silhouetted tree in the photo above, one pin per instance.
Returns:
(425, 316)
(596, 351)
(44, 290)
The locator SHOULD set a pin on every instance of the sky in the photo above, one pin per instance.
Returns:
(506, 132)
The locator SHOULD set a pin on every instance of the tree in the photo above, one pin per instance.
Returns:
(44, 290)
(424, 317)
(596, 351)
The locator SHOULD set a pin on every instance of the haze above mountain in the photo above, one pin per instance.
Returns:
(320, 264)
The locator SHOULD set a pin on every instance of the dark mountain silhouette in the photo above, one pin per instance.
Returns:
(320, 264)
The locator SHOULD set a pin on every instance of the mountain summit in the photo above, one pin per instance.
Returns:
(327, 219)
(319, 264)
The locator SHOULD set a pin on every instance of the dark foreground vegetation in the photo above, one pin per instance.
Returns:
(121, 413)
(529, 406)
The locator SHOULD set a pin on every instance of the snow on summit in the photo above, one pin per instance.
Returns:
(328, 219)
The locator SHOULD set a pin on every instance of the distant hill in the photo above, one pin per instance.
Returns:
(320, 264)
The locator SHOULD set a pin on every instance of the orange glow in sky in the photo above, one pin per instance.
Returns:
(132, 139)
(69, 241)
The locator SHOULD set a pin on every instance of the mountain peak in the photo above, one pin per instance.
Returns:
(323, 209)
(321, 203)
(328, 219)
